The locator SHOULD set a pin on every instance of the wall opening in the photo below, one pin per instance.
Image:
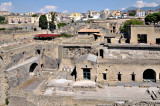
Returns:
(142, 38)
(133, 76)
(149, 75)
(158, 41)
(108, 40)
(119, 76)
(114, 29)
(33, 67)
(95, 37)
(104, 76)
(35, 29)
(101, 52)
(38, 51)
(86, 74)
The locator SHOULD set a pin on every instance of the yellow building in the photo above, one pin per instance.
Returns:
(76, 16)
(116, 13)
(18, 19)
(35, 19)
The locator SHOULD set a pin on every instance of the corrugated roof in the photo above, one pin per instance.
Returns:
(89, 30)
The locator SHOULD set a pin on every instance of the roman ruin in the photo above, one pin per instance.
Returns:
(95, 67)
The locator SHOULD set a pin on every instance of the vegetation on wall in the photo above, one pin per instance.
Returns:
(2, 20)
(66, 35)
(152, 18)
(61, 25)
(43, 22)
(123, 28)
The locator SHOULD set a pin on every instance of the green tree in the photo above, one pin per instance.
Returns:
(43, 22)
(52, 25)
(152, 18)
(72, 21)
(132, 14)
(123, 28)
(35, 15)
(2, 19)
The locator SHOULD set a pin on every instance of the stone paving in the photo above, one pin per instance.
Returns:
(116, 93)
(31, 85)
(150, 84)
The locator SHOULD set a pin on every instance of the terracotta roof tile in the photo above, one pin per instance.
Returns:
(89, 30)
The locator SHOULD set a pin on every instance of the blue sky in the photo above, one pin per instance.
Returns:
(23, 6)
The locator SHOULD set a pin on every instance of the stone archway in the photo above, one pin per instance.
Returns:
(149, 75)
(33, 67)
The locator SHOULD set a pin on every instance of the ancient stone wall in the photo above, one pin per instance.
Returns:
(50, 62)
(21, 73)
(151, 31)
(11, 37)
(15, 56)
(77, 51)
(131, 54)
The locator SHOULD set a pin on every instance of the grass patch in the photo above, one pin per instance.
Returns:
(66, 35)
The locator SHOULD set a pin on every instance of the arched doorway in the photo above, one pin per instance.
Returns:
(33, 67)
(101, 52)
(149, 75)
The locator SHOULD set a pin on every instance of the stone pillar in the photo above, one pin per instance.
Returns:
(157, 78)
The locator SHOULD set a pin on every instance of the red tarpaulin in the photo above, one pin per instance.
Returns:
(47, 35)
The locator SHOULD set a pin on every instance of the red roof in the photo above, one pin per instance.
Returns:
(47, 35)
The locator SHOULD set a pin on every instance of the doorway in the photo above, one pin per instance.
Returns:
(149, 75)
(86, 74)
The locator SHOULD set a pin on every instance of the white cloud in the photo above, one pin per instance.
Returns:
(141, 4)
(123, 9)
(48, 8)
(6, 6)
(65, 11)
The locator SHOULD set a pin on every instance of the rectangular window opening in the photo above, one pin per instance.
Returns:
(119, 77)
(104, 76)
(142, 38)
(86, 74)
(133, 77)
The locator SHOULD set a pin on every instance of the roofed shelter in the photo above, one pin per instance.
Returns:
(88, 33)
(86, 67)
